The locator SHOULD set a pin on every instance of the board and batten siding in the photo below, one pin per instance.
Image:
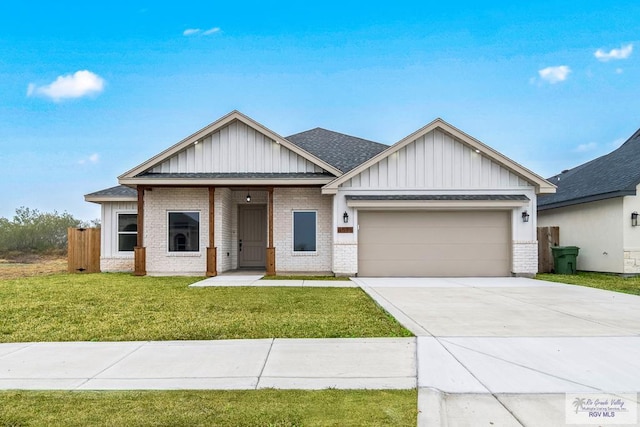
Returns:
(436, 161)
(109, 237)
(236, 148)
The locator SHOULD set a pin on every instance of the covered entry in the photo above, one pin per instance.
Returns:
(436, 243)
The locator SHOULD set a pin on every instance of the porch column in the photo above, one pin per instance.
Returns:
(212, 252)
(271, 251)
(139, 251)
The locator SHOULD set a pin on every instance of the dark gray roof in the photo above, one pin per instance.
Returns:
(117, 191)
(236, 175)
(613, 175)
(341, 151)
(470, 197)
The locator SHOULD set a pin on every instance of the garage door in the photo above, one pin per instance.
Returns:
(434, 243)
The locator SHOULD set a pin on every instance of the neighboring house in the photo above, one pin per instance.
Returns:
(593, 207)
(237, 195)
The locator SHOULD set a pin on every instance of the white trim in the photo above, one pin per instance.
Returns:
(105, 199)
(437, 204)
(293, 232)
(117, 213)
(222, 182)
(220, 123)
(541, 185)
(183, 211)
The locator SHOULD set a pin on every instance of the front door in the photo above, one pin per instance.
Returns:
(252, 235)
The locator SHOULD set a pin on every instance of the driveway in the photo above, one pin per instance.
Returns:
(506, 351)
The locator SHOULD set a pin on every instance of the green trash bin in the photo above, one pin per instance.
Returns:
(564, 259)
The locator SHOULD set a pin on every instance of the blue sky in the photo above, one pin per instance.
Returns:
(90, 90)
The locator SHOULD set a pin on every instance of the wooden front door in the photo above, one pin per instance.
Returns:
(252, 236)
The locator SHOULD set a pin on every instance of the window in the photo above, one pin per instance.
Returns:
(184, 231)
(127, 232)
(304, 231)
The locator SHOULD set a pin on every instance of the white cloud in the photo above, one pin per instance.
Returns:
(194, 31)
(619, 71)
(555, 74)
(76, 85)
(623, 53)
(94, 158)
(583, 148)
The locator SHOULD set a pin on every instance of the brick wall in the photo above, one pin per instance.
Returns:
(116, 264)
(285, 201)
(157, 203)
(631, 262)
(525, 258)
(345, 259)
(223, 204)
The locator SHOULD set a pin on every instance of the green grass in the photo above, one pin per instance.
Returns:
(610, 282)
(210, 408)
(344, 279)
(121, 307)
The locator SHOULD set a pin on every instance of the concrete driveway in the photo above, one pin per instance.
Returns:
(507, 351)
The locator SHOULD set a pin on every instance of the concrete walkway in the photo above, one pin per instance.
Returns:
(371, 363)
(507, 351)
(255, 280)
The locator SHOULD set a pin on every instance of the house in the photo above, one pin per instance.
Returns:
(595, 206)
(236, 195)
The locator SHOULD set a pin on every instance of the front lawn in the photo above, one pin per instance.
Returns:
(121, 307)
(281, 408)
(610, 282)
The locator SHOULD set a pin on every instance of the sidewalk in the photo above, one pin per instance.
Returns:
(370, 363)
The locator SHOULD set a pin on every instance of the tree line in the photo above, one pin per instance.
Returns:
(33, 231)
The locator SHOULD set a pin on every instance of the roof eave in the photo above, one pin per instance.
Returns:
(204, 182)
(221, 122)
(541, 185)
(588, 199)
(106, 199)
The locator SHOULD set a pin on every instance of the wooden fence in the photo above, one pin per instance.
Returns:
(83, 250)
(547, 237)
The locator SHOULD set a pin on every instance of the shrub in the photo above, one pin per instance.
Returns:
(33, 231)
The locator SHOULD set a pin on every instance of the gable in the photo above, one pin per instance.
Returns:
(234, 144)
(236, 147)
(436, 161)
(439, 156)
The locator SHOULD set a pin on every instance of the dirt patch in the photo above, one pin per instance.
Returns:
(31, 265)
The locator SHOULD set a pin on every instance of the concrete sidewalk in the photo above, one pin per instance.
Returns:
(370, 363)
(507, 351)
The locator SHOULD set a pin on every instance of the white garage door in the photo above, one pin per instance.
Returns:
(434, 243)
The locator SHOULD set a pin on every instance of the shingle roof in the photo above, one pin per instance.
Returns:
(341, 151)
(613, 175)
(115, 192)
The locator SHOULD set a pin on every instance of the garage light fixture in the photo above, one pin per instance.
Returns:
(345, 217)
(634, 219)
(248, 198)
(525, 216)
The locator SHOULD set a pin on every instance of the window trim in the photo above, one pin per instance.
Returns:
(184, 253)
(118, 232)
(293, 231)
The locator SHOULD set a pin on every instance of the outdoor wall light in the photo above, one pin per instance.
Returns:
(248, 198)
(345, 217)
(634, 219)
(525, 216)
